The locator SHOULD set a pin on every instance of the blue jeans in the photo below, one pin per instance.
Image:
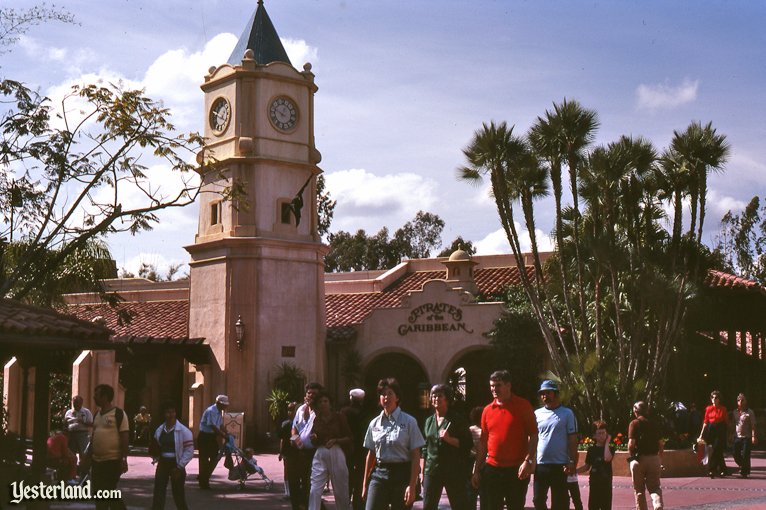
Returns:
(162, 475)
(501, 485)
(387, 485)
(553, 477)
(742, 447)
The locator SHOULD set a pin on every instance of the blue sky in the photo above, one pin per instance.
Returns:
(403, 85)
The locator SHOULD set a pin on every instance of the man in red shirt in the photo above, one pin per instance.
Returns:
(506, 453)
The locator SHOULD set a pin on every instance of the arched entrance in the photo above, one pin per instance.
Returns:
(411, 377)
(469, 377)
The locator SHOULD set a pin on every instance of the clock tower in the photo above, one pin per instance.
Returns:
(257, 262)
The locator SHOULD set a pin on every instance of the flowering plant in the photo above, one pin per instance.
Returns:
(618, 443)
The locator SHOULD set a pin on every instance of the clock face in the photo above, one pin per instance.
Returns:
(220, 113)
(283, 113)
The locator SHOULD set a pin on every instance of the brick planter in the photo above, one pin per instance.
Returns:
(677, 464)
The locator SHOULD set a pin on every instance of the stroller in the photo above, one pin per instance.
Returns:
(241, 464)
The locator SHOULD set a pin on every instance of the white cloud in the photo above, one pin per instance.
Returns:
(175, 77)
(496, 242)
(71, 59)
(300, 52)
(719, 204)
(663, 96)
(37, 51)
(366, 200)
(157, 260)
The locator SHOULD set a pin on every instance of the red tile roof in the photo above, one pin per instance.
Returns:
(167, 321)
(18, 319)
(349, 309)
(150, 322)
(719, 279)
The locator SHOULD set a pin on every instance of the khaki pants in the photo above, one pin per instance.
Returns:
(646, 476)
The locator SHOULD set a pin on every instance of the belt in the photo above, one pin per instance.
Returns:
(393, 465)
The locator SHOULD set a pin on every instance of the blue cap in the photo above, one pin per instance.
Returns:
(548, 385)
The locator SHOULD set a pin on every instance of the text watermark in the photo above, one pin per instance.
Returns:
(22, 491)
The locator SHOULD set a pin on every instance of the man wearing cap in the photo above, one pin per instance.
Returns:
(505, 456)
(556, 449)
(356, 421)
(211, 431)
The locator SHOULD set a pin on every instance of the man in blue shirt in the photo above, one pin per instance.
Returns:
(211, 435)
(556, 449)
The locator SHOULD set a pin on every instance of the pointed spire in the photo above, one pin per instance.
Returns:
(261, 37)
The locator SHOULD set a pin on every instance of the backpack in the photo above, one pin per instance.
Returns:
(119, 415)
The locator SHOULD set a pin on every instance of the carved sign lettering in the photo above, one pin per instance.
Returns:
(433, 318)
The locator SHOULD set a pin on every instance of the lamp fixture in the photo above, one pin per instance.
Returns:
(239, 331)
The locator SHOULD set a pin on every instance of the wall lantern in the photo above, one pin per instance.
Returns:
(239, 331)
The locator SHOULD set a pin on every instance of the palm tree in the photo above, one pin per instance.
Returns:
(561, 136)
(55, 272)
(488, 154)
(703, 150)
(673, 181)
(496, 152)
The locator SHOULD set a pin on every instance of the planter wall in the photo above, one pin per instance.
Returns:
(677, 463)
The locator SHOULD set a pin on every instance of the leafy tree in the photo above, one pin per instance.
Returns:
(742, 241)
(16, 22)
(73, 170)
(611, 301)
(516, 342)
(325, 207)
(458, 244)
(291, 380)
(60, 391)
(361, 252)
(81, 270)
(149, 271)
(418, 237)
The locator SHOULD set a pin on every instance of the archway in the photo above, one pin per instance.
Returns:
(469, 377)
(412, 379)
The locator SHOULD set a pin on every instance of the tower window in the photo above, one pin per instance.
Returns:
(286, 213)
(215, 213)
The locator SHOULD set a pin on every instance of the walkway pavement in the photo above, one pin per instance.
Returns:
(698, 493)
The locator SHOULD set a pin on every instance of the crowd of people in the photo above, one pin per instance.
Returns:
(378, 462)
(492, 458)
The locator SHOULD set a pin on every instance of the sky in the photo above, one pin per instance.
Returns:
(403, 85)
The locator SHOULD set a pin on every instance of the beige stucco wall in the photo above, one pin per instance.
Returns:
(436, 343)
(277, 290)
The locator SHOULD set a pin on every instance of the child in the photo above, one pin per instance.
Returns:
(249, 463)
(598, 461)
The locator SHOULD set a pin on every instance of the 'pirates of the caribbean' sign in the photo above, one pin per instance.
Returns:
(434, 318)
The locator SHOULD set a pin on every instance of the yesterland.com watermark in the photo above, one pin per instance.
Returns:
(21, 491)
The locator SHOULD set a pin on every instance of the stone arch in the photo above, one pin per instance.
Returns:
(407, 369)
(476, 363)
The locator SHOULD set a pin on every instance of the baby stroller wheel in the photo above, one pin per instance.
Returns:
(241, 485)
